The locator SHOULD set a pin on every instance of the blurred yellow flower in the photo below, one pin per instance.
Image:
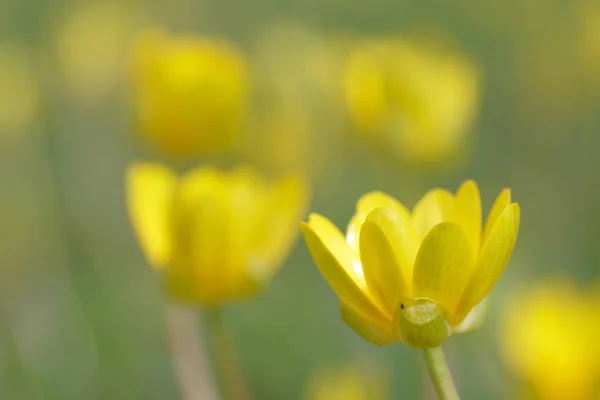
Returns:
(297, 110)
(214, 235)
(415, 277)
(19, 90)
(92, 48)
(416, 100)
(189, 92)
(551, 338)
(346, 382)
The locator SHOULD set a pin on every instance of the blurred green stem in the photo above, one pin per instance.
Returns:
(440, 374)
(226, 359)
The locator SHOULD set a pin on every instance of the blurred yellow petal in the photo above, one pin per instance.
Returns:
(502, 201)
(443, 265)
(436, 206)
(364, 206)
(387, 250)
(371, 330)
(492, 260)
(467, 212)
(151, 193)
(203, 229)
(365, 87)
(289, 199)
(339, 265)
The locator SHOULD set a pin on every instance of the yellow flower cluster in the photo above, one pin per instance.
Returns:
(415, 276)
(214, 235)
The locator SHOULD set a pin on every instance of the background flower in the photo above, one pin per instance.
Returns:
(415, 99)
(215, 236)
(550, 339)
(189, 92)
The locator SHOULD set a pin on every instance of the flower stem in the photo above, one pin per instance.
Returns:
(226, 359)
(440, 374)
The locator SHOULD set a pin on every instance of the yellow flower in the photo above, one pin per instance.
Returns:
(414, 100)
(92, 47)
(415, 277)
(550, 338)
(214, 235)
(347, 382)
(190, 92)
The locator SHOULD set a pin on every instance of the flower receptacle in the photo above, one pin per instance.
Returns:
(422, 323)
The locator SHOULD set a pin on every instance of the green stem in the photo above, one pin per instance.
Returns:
(226, 359)
(440, 374)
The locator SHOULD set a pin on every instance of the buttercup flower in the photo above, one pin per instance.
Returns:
(190, 92)
(214, 235)
(415, 100)
(550, 338)
(415, 277)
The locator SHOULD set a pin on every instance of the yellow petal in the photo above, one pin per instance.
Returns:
(467, 212)
(150, 193)
(387, 249)
(443, 265)
(339, 265)
(492, 260)
(500, 204)
(245, 210)
(364, 206)
(474, 318)
(435, 207)
(203, 227)
(371, 330)
(286, 205)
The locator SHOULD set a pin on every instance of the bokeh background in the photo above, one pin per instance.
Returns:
(83, 316)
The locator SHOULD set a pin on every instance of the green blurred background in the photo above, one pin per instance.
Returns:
(82, 315)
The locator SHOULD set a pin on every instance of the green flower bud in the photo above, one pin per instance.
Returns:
(422, 323)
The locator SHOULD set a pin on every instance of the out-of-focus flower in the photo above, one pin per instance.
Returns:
(347, 382)
(189, 92)
(415, 100)
(415, 277)
(214, 235)
(93, 46)
(550, 339)
(295, 123)
(19, 90)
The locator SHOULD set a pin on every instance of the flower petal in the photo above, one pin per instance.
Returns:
(500, 204)
(371, 330)
(286, 205)
(493, 259)
(364, 206)
(443, 265)
(387, 251)
(203, 227)
(474, 318)
(151, 190)
(436, 206)
(467, 212)
(339, 265)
